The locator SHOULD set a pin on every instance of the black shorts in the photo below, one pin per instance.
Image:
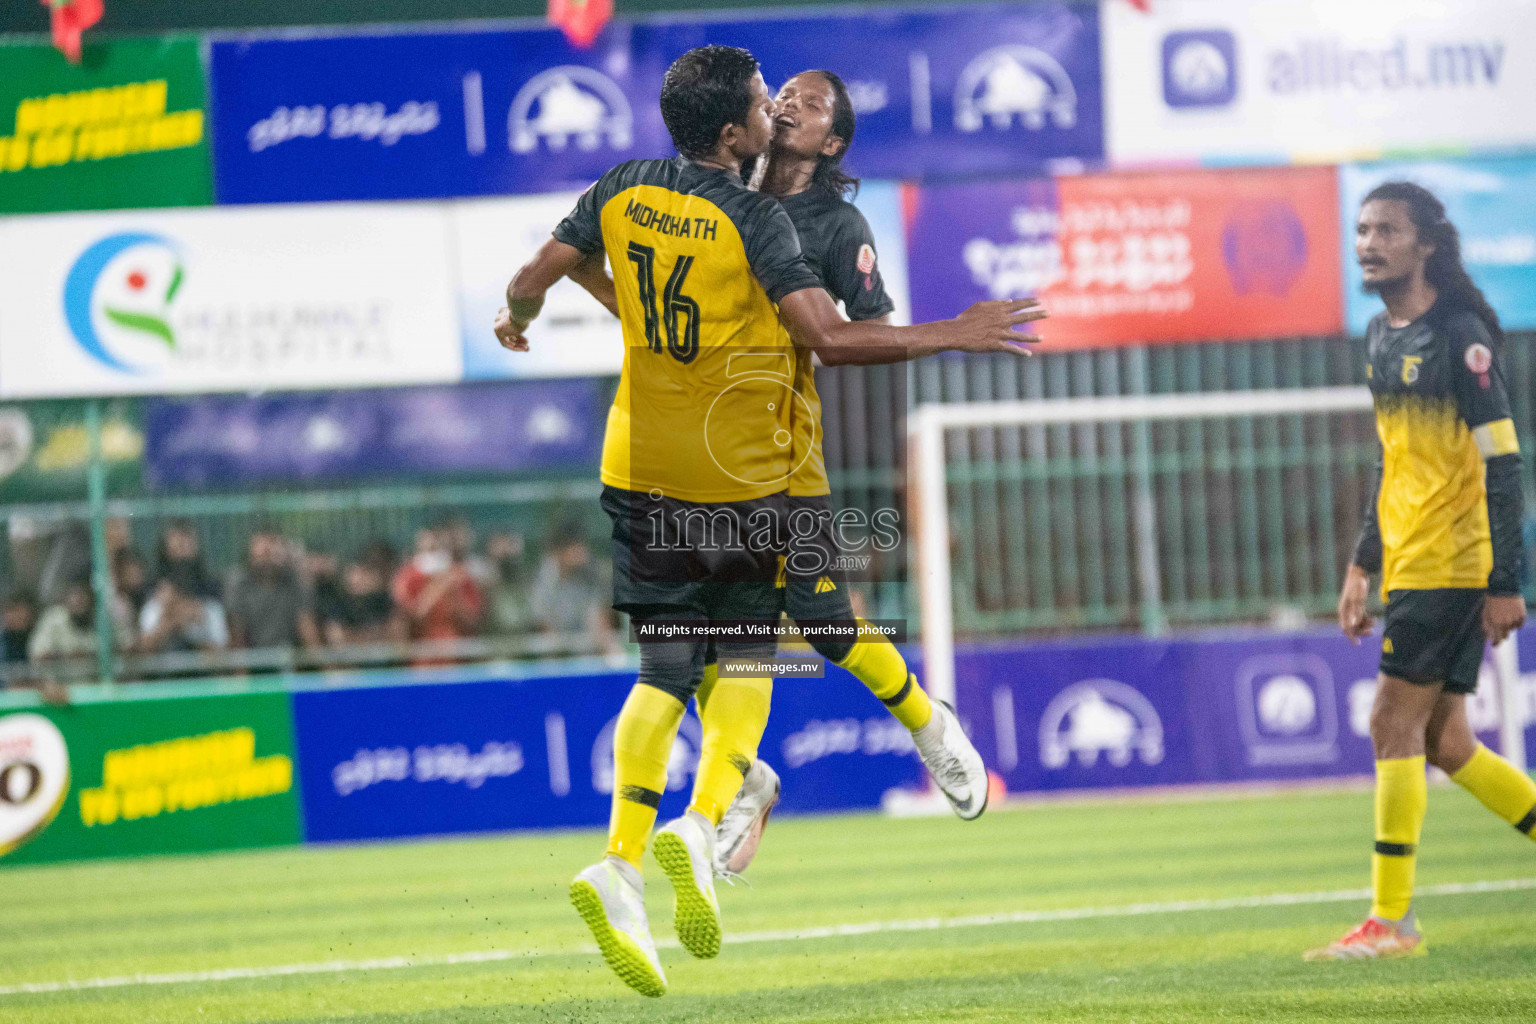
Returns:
(1434, 636)
(708, 557)
(815, 585)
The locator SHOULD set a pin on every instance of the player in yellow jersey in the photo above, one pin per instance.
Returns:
(697, 457)
(814, 126)
(1444, 533)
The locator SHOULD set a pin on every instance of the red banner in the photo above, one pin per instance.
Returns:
(1120, 259)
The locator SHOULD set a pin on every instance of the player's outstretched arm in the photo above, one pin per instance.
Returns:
(814, 322)
(525, 295)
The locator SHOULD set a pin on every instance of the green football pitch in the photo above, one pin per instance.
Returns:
(1169, 909)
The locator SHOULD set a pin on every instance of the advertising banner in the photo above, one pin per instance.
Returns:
(970, 89)
(126, 127)
(415, 115)
(153, 776)
(227, 300)
(1113, 713)
(574, 334)
(511, 427)
(538, 753)
(1493, 205)
(979, 89)
(1316, 80)
(1131, 258)
(45, 450)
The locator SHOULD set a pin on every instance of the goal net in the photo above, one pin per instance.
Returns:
(1142, 513)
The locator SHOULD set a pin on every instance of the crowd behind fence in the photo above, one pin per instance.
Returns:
(1255, 518)
(437, 589)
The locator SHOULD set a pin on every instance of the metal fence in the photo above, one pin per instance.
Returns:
(1255, 518)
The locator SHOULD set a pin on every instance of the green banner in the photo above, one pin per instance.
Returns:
(147, 776)
(45, 450)
(124, 128)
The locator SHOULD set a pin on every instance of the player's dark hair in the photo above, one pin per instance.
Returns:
(1443, 269)
(704, 90)
(829, 174)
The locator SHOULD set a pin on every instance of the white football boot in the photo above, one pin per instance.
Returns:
(685, 848)
(614, 908)
(952, 760)
(741, 830)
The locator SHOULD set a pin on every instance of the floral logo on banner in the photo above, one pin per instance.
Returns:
(118, 296)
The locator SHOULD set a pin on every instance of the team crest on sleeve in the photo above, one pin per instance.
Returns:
(1479, 358)
(866, 258)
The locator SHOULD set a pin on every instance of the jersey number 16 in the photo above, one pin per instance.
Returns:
(682, 337)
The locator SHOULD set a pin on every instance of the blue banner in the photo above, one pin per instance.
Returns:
(978, 89)
(1134, 712)
(515, 427)
(942, 93)
(419, 115)
(538, 753)
(1493, 205)
(1088, 714)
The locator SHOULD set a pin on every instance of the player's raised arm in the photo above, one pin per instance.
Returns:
(989, 326)
(525, 295)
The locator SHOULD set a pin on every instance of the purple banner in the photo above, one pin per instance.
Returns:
(987, 88)
(1133, 712)
(538, 753)
(942, 93)
(512, 427)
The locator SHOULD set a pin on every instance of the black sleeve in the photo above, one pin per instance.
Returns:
(1483, 402)
(1368, 547)
(773, 250)
(583, 227)
(852, 272)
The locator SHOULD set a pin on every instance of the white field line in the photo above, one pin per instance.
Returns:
(925, 924)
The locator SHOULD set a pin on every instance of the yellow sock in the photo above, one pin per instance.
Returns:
(642, 744)
(1504, 789)
(734, 715)
(1402, 794)
(707, 687)
(877, 664)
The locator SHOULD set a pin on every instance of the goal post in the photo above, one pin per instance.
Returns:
(929, 424)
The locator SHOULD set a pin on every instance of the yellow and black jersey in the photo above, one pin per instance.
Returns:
(703, 410)
(840, 250)
(1447, 511)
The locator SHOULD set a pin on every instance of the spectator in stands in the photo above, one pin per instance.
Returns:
(17, 619)
(69, 559)
(66, 631)
(130, 582)
(380, 554)
(510, 611)
(441, 601)
(181, 557)
(321, 577)
(570, 596)
(266, 605)
(179, 618)
(363, 612)
(460, 536)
